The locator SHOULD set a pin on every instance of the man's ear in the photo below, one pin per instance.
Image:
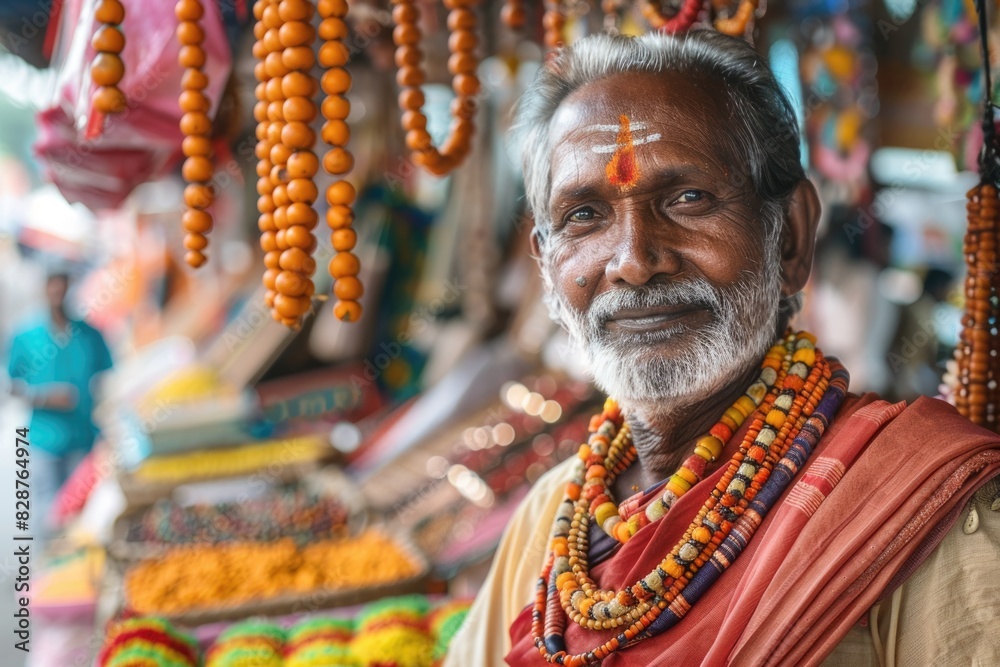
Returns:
(798, 237)
(536, 250)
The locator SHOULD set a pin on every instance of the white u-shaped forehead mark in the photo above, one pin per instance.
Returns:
(611, 148)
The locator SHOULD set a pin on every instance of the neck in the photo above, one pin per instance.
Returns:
(663, 439)
(59, 317)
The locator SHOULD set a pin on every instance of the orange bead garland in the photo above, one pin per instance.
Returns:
(336, 82)
(462, 64)
(978, 374)
(108, 68)
(196, 125)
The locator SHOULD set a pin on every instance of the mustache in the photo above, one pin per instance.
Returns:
(696, 293)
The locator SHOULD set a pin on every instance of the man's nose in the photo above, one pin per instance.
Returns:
(640, 254)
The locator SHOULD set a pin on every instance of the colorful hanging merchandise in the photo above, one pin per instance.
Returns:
(950, 30)
(796, 386)
(976, 372)
(842, 98)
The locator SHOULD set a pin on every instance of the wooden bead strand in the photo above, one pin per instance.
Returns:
(513, 14)
(196, 125)
(108, 68)
(293, 163)
(462, 65)
(680, 22)
(976, 394)
(553, 21)
(265, 205)
(338, 161)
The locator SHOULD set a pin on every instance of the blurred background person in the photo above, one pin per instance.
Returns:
(52, 364)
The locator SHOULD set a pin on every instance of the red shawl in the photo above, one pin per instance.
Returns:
(881, 489)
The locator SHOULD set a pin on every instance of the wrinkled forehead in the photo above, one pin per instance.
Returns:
(682, 112)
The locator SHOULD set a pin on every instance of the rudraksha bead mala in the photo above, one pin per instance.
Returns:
(287, 164)
(462, 42)
(978, 368)
(333, 57)
(108, 69)
(196, 125)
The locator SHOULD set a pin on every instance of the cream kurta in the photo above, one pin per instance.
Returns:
(947, 613)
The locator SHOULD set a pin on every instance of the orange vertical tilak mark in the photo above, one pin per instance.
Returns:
(623, 170)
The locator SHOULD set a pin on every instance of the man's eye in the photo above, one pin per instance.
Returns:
(582, 215)
(690, 196)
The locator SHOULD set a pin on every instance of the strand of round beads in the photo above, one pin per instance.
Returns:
(265, 204)
(978, 371)
(340, 195)
(295, 164)
(737, 24)
(680, 22)
(513, 14)
(553, 20)
(196, 126)
(640, 592)
(596, 487)
(462, 65)
(108, 69)
(287, 42)
(799, 371)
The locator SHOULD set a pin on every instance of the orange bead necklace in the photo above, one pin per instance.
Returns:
(340, 195)
(462, 64)
(196, 126)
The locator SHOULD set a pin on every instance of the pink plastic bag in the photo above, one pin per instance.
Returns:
(99, 161)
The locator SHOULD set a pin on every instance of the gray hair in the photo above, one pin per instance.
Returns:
(763, 123)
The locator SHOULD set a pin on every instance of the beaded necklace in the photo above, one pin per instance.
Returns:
(462, 64)
(196, 126)
(794, 376)
(108, 68)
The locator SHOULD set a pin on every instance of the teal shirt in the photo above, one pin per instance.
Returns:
(41, 355)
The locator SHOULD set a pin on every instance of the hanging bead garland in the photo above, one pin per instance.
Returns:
(553, 20)
(462, 65)
(513, 14)
(977, 355)
(340, 195)
(682, 21)
(978, 371)
(265, 205)
(108, 69)
(196, 125)
(287, 163)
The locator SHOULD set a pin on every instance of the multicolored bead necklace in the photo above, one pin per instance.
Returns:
(794, 377)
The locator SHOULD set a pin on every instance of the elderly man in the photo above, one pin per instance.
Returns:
(734, 504)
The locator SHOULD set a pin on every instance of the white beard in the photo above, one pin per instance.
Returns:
(743, 328)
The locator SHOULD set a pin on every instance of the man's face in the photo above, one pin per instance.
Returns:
(55, 290)
(658, 256)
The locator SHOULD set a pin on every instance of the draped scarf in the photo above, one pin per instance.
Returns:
(882, 488)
